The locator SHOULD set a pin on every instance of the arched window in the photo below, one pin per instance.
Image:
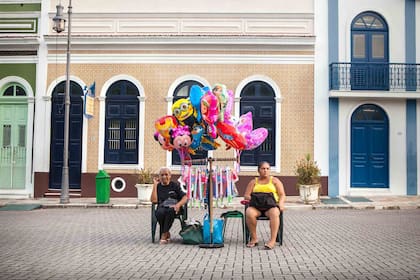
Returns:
(14, 90)
(258, 97)
(369, 52)
(121, 123)
(183, 91)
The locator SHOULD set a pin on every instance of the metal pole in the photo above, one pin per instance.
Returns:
(64, 196)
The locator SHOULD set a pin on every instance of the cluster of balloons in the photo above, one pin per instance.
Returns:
(197, 121)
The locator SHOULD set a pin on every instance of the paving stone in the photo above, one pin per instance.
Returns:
(115, 243)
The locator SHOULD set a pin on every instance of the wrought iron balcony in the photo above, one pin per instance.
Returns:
(375, 76)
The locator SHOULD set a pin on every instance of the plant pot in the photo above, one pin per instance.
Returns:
(309, 193)
(144, 191)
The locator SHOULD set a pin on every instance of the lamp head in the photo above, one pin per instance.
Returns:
(59, 20)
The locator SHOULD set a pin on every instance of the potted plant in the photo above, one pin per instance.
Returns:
(308, 179)
(144, 185)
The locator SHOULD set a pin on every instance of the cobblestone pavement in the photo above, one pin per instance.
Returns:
(109, 243)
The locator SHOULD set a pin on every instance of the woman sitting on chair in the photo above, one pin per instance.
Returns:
(170, 198)
(264, 184)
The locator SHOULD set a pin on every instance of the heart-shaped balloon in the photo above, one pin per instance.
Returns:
(255, 138)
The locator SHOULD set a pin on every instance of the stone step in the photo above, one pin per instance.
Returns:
(58, 193)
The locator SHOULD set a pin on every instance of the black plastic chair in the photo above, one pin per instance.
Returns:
(279, 238)
(182, 216)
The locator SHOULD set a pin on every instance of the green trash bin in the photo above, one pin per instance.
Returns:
(103, 183)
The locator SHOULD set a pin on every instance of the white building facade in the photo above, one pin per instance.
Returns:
(373, 96)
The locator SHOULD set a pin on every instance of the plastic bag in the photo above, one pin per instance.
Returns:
(169, 202)
(217, 237)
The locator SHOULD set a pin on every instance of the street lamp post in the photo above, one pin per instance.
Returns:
(59, 26)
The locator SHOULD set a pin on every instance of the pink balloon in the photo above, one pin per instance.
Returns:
(210, 112)
(181, 137)
(229, 104)
(244, 124)
(255, 138)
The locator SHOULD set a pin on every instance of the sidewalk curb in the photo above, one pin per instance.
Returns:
(288, 208)
(293, 204)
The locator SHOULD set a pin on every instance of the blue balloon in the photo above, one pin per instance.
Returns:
(196, 134)
(195, 97)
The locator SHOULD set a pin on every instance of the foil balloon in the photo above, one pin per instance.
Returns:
(255, 138)
(210, 112)
(181, 141)
(244, 124)
(208, 143)
(164, 143)
(196, 135)
(202, 141)
(231, 136)
(184, 112)
(196, 93)
(220, 92)
(228, 118)
(181, 137)
(165, 124)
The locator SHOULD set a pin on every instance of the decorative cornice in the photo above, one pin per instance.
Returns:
(19, 42)
(375, 94)
(193, 23)
(165, 42)
(18, 59)
(182, 59)
(20, 1)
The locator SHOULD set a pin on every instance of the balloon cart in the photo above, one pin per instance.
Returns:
(209, 161)
(195, 125)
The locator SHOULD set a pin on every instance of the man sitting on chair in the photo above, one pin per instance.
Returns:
(170, 198)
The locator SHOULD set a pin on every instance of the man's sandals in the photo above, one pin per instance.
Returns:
(167, 240)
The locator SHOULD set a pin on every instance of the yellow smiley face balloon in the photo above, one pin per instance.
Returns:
(182, 109)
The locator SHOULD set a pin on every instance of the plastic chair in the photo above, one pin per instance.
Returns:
(233, 214)
(182, 216)
(279, 238)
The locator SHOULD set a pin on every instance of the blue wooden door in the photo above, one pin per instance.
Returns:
(369, 148)
(75, 136)
(369, 53)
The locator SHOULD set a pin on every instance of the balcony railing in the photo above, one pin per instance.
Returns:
(375, 76)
